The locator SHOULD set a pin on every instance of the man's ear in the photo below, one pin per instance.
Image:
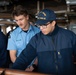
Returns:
(53, 23)
(27, 17)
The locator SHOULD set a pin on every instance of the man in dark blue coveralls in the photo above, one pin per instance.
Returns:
(3, 51)
(53, 46)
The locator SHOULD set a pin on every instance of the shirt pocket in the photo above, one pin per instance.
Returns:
(19, 43)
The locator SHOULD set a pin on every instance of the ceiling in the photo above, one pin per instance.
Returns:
(31, 5)
(64, 9)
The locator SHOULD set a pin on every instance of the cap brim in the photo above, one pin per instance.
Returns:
(41, 22)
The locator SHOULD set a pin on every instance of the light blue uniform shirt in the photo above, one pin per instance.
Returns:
(19, 39)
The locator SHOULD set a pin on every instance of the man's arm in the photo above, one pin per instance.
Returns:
(13, 55)
(11, 46)
(25, 58)
(33, 66)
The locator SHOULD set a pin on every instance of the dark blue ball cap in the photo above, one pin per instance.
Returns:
(45, 16)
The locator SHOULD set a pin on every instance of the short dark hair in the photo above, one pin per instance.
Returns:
(19, 10)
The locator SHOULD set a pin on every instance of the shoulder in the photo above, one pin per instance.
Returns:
(2, 35)
(3, 38)
(35, 40)
(35, 28)
(37, 36)
(15, 31)
(67, 33)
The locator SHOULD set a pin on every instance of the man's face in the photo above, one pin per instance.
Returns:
(47, 28)
(22, 21)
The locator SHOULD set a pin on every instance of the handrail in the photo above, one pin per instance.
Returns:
(18, 72)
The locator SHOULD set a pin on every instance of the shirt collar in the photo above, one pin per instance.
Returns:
(30, 28)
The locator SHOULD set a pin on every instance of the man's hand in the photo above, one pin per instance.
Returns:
(29, 69)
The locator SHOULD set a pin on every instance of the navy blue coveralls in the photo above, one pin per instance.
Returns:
(54, 52)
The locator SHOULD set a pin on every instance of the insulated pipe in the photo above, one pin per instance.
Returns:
(38, 6)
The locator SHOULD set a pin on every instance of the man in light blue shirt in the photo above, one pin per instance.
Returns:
(20, 37)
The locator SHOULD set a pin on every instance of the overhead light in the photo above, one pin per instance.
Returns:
(71, 2)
